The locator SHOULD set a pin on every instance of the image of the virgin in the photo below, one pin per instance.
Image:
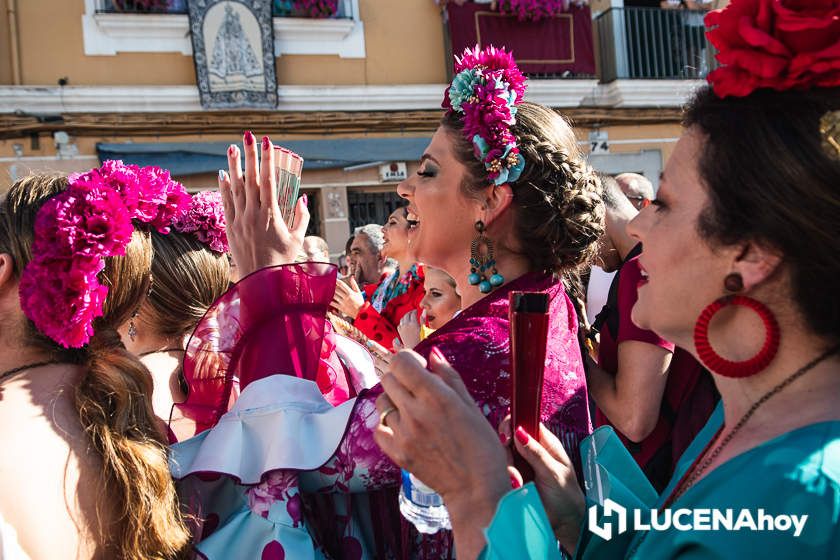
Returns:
(234, 61)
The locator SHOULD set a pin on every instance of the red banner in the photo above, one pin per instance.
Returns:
(550, 46)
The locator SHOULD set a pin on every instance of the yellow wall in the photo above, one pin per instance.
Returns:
(403, 41)
(5, 47)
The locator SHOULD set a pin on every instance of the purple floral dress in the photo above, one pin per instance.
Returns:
(346, 507)
(351, 501)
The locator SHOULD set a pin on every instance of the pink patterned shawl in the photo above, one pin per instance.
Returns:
(476, 343)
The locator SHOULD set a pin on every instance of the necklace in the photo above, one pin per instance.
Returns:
(8, 374)
(161, 351)
(698, 468)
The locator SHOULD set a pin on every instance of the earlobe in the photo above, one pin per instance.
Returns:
(756, 263)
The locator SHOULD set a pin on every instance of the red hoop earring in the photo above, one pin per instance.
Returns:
(721, 365)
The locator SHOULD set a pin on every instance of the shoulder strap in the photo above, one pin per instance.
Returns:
(609, 313)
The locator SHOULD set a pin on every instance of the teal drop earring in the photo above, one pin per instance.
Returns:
(482, 260)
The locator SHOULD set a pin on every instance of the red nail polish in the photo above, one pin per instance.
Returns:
(305, 200)
(265, 143)
(249, 138)
(522, 436)
(514, 482)
(231, 150)
(504, 439)
(438, 354)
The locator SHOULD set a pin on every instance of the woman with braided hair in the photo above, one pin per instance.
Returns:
(519, 218)
(84, 469)
(740, 265)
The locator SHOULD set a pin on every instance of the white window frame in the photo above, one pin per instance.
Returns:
(109, 34)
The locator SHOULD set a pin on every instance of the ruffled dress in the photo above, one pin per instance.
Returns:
(292, 470)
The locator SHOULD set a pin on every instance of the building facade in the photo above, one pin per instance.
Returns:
(358, 95)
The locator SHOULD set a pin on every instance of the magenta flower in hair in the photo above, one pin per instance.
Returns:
(149, 193)
(160, 198)
(82, 222)
(74, 231)
(116, 175)
(205, 218)
(486, 89)
(60, 290)
(62, 306)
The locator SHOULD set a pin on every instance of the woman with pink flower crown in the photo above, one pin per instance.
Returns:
(504, 202)
(740, 265)
(190, 271)
(84, 459)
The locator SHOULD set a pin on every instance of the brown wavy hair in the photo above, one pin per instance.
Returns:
(559, 214)
(138, 515)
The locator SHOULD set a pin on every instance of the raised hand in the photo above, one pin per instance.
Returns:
(348, 298)
(409, 329)
(257, 235)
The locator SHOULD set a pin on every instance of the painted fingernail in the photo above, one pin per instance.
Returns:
(221, 175)
(231, 150)
(522, 436)
(265, 143)
(438, 354)
(514, 482)
(503, 438)
(305, 200)
(249, 138)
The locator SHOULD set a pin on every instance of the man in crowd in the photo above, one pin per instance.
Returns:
(639, 191)
(366, 253)
(653, 394)
(316, 249)
(637, 188)
(367, 267)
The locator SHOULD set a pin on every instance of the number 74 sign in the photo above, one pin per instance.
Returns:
(599, 142)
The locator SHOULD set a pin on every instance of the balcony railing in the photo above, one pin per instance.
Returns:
(653, 43)
(280, 8)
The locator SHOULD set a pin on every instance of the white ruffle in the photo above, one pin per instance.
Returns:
(357, 360)
(278, 422)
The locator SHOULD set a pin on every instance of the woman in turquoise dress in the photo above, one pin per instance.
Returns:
(741, 259)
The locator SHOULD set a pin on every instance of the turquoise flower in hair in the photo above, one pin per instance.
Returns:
(481, 147)
(516, 170)
(463, 87)
(512, 102)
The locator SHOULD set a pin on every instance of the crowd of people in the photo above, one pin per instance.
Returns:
(189, 376)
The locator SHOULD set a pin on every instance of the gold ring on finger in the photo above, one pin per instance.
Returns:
(384, 416)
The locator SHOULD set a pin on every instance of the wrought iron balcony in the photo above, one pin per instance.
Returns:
(653, 43)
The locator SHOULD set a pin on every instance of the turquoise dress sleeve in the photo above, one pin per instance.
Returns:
(794, 474)
(520, 529)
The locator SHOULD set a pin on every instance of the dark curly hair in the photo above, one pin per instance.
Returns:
(559, 214)
(771, 181)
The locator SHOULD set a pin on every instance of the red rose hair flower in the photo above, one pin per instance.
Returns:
(775, 44)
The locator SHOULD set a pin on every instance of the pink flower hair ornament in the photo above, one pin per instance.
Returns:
(205, 218)
(60, 290)
(486, 89)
